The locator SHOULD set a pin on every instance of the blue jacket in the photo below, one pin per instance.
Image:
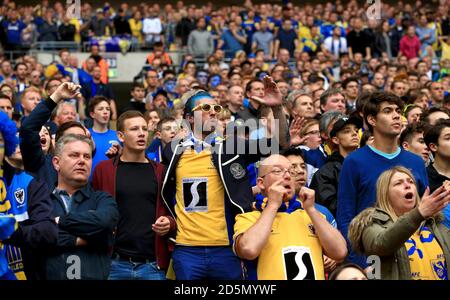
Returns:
(30, 205)
(154, 151)
(92, 217)
(34, 159)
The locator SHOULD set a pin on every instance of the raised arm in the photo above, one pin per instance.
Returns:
(249, 244)
(332, 241)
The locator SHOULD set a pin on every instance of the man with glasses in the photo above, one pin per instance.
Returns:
(207, 181)
(267, 234)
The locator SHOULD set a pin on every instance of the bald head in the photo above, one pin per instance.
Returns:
(274, 170)
(274, 160)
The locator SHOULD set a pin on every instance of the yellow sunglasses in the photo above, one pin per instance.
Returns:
(208, 107)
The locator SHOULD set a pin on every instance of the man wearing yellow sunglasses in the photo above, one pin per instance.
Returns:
(207, 178)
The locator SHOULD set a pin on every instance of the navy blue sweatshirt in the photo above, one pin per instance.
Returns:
(357, 184)
(34, 159)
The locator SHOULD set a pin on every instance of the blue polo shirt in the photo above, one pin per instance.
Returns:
(231, 44)
(13, 31)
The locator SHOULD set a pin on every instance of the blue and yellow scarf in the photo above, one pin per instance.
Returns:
(287, 207)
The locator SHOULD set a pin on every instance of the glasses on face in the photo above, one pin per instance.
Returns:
(170, 128)
(208, 107)
(297, 168)
(281, 171)
(313, 132)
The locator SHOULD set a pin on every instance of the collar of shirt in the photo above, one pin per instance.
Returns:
(65, 197)
(198, 144)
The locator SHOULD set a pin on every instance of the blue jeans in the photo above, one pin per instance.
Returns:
(125, 270)
(217, 263)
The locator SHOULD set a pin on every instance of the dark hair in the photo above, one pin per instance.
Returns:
(348, 80)
(412, 73)
(373, 104)
(361, 101)
(314, 77)
(294, 152)
(127, 115)
(427, 113)
(446, 99)
(342, 267)
(50, 80)
(96, 100)
(4, 96)
(151, 70)
(432, 135)
(364, 138)
(346, 71)
(411, 129)
(137, 85)
(158, 44)
(65, 126)
(248, 87)
(18, 64)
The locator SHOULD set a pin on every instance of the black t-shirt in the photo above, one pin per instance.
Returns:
(435, 179)
(136, 191)
(358, 41)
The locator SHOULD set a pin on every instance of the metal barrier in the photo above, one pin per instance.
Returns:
(52, 46)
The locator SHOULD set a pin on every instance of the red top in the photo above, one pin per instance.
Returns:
(410, 47)
(104, 179)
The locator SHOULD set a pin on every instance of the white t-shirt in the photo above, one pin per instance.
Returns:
(336, 46)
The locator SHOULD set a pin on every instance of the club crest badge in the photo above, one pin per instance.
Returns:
(237, 171)
(19, 194)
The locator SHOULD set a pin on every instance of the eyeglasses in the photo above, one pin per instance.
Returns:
(314, 132)
(208, 107)
(280, 172)
(297, 168)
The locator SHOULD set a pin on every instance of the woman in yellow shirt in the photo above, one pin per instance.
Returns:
(404, 231)
(136, 27)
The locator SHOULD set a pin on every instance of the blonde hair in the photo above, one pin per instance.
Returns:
(30, 90)
(383, 184)
(308, 124)
(224, 114)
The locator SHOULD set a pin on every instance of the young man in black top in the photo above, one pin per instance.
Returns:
(140, 249)
(437, 139)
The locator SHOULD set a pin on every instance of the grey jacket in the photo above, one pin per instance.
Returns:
(200, 43)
